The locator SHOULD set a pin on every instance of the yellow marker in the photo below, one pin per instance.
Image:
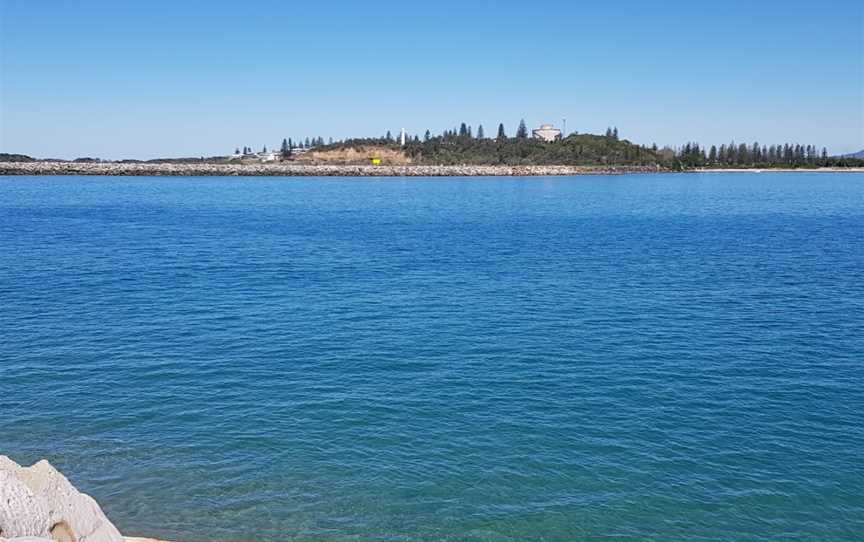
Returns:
(375, 161)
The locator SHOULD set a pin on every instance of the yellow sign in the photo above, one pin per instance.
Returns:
(375, 161)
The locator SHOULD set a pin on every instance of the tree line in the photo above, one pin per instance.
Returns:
(692, 155)
(464, 144)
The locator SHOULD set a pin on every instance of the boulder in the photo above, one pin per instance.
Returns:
(71, 516)
(21, 513)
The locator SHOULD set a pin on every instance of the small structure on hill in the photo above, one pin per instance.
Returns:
(547, 132)
(249, 155)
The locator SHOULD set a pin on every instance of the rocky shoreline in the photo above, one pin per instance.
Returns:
(297, 170)
(38, 504)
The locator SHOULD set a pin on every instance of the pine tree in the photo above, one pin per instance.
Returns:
(388, 137)
(480, 134)
(744, 154)
(501, 135)
(712, 155)
(615, 133)
(522, 131)
(609, 132)
(427, 136)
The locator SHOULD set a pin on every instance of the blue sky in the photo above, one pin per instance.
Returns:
(147, 79)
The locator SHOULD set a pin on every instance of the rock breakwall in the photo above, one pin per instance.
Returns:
(297, 170)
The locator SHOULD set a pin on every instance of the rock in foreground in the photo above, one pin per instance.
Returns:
(39, 503)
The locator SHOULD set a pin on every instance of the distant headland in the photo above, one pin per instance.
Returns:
(458, 152)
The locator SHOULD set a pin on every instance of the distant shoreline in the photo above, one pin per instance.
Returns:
(304, 170)
(779, 170)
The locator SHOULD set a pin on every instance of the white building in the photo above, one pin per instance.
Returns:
(263, 156)
(547, 132)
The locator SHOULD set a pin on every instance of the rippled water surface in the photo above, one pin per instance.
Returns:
(666, 357)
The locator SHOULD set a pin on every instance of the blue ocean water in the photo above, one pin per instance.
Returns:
(654, 357)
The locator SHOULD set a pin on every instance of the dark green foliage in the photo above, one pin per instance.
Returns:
(522, 131)
(456, 146)
(6, 157)
(581, 149)
(786, 155)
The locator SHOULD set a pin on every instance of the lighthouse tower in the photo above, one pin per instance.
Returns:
(402, 137)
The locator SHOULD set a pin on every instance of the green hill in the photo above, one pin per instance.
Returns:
(576, 149)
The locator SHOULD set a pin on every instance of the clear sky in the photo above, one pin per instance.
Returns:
(191, 78)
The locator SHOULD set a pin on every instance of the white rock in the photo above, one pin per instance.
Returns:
(72, 516)
(21, 513)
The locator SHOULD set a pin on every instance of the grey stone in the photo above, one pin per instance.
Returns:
(288, 169)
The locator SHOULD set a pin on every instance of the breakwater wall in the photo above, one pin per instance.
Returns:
(297, 170)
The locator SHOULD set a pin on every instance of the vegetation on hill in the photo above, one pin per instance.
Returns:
(6, 157)
(461, 147)
(453, 149)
